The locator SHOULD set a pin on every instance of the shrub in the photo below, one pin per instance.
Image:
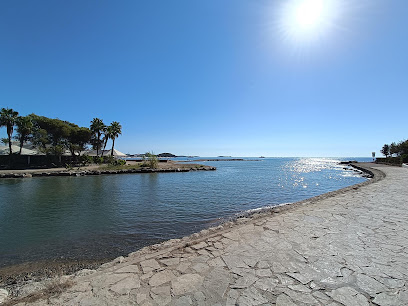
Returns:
(108, 159)
(85, 160)
(98, 160)
(152, 160)
(390, 160)
(144, 165)
(118, 162)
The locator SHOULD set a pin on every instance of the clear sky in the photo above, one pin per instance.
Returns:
(214, 77)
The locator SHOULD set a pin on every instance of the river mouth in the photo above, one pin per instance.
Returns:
(70, 221)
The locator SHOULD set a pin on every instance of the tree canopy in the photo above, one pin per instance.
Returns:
(56, 136)
(385, 150)
(97, 128)
(395, 149)
(24, 129)
(115, 129)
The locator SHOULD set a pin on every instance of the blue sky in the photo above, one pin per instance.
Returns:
(211, 77)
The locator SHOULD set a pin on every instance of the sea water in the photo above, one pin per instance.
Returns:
(97, 217)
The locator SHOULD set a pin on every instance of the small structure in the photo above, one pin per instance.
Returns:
(4, 150)
(116, 153)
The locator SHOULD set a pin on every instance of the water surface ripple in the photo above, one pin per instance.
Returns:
(110, 215)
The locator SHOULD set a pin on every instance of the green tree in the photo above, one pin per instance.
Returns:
(8, 119)
(97, 128)
(399, 149)
(393, 149)
(59, 133)
(115, 129)
(403, 147)
(78, 139)
(152, 159)
(51, 135)
(54, 136)
(385, 150)
(106, 136)
(24, 129)
(40, 138)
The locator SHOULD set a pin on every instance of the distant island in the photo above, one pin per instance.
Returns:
(162, 155)
(166, 155)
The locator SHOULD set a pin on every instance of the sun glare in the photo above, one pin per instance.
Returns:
(309, 13)
(308, 20)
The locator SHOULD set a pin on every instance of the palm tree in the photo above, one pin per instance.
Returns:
(8, 118)
(24, 129)
(97, 128)
(106, 135)
(115, 131)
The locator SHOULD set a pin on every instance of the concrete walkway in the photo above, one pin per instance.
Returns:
(348, 249)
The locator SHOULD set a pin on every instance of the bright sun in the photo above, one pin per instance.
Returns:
(309, 13)
(308, 20)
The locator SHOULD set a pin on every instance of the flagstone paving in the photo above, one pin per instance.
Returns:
(348, 249)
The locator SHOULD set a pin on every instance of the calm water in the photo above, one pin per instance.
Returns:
(106, 216)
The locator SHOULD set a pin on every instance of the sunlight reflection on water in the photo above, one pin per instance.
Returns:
(111, 215)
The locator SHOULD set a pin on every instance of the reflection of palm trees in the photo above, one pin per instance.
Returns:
(150, 185)
(8, 118)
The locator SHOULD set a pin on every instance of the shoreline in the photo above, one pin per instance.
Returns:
(103, 170)
(44, 278)
(218, 160)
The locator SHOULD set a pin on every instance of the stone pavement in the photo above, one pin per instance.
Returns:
(347, 249)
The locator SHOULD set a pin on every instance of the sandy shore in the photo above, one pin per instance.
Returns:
(342, 248)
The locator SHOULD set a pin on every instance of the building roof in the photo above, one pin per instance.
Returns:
(4, 150)
(105, 153)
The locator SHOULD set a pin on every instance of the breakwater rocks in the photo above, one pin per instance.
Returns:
(347, 162)
(367, 173)
(364, 172)
(100, 172)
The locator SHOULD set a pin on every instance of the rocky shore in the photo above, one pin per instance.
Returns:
(18, 280)
(343, 248)
(85, 171)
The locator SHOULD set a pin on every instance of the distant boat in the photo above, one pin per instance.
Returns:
(261, 156)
